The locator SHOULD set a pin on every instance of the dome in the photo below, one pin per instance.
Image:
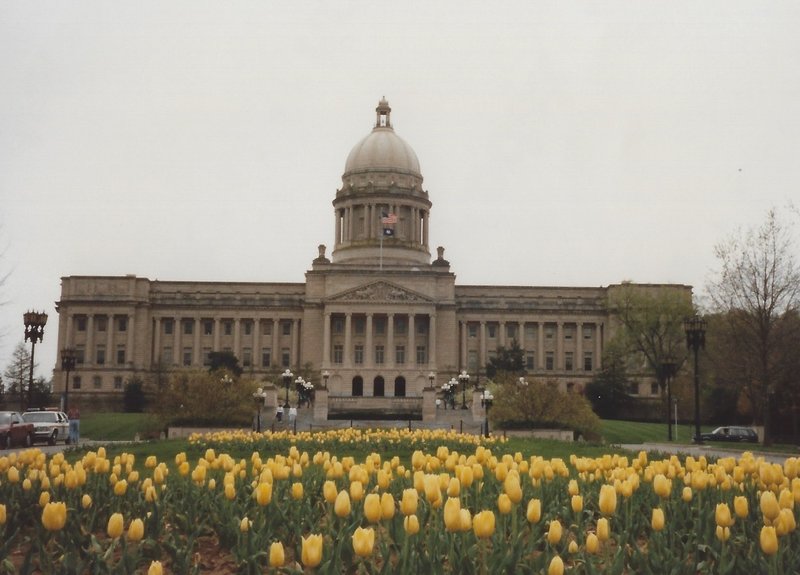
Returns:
(382, 149)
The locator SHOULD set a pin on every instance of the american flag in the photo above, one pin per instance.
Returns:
(388, 218)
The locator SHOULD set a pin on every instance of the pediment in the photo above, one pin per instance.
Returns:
(379, 291)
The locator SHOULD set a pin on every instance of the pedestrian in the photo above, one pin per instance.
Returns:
(279, 413)
(292, 413)
(74, 425)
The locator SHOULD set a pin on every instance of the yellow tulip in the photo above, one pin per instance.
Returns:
(608, 499)
(155, 568)
(27, 484)
(577, 503)
(311, 554)
(342, 505)
(556, 566)
(136, 530)
(409, 502)
(387, 505)
(592, 543)
(504, 504)
(534, 513)
(723, 533)
(54, 516)
(483, 524)
(603, 529)
(513, 488)
(2, 514)
(297, 491)
(115, 525)
(452, 514)
(453, 487)
(722, 515)
(687, 494)
(657, 520)
(769, 506)
(411, 524)
(372, 507)
(230, 492)
(356, 491)
(741, 506)
(44, 498)
(363, 541)
(768, 540)
(120, 487)
(264, 493)
(573, 546)
(465, 520)
(662, 486)
(277, 557)
(13, 474)
(329, 491)
(572, 487)
(554, 532)
(786, 499)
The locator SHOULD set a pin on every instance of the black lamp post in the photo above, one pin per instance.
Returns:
(258, 397)
(287, 380)
(486, 401)
(668, 368)
(463, 377)
(34, 332)
(67, 365)
(695, 328)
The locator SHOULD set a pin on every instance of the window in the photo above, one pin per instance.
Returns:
(358, 354)
(286, 357)
(654, 388)
(97, 382)
(379, 354)
(511, 331)
(81, 322)
(549, 332)
(400, 386)
(248, 327)
(380, 325)
(188, 326)
(266, 328)
(166, 354)
(378, 387)
(338, 353)
(492, 329)
(286, 326)
(421, 355)
(472, 360)
(100, 355)
(568, 332)
(530, 362)
(400, 325)
(207, 356)
(400, 354)
(587, 332)
(208, 327)
(568, 361)
(633, 388)
(358, 386)
(472, 330)
(247, 356)
(122, 323)
(187, 356)
(549, 361)
(587, 361)
(76, 382)
(227, 326)
(102, 323)
(80, 355)
(266, 356)
(358, 325)
(337, 325)
(169, 325)
(118, 382)
(120, 354)
(422, 327)
(530, 331)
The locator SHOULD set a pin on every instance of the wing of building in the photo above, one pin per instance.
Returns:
(380, 316)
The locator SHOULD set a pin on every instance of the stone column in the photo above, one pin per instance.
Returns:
(464, 341)
(338, 228)
(217, 326)
(425, 228)
(177, 351)
(521, 334)
(90, 352)
(256, 355)
(131, 344)
(579, 346)
(326, 341)
(110, 351)
(598, 345)
(197, 353)
(502, 335)
(348, 340)
(68, 335)
(276, 354)
(540, 351)
(369, 360)
(482, 359)
(237, 338)
(296, 343)
(432, 341)
(156, 340)
(559, 346)
(390, 340)
(412, 339)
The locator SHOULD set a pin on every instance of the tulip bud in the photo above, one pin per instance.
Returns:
(512, 488)
(311, 554)
(363, 541)
(465, 520)
(452, 514)
(577, 503)
(722, 515)
(657, 520)
(534, 513)
(556, 566)
(592, 543)
(768, 540)
(277, 557)
(687, 494)
(372, 507)
(155, 568)
(573, 546)
(115, 525)
(608, 499)
(603, 529)
(54, 516)
(740, 506)
(662, 486)
(483, 524)
(723, 533)
(136, 530)
(408, 505)
(2, 514)
(329, 491)
(264, 493)
(504, 504)
(342, 505)
(297, 491)
(387, 505)
(554, 533)
(769, 506)
(411, 524)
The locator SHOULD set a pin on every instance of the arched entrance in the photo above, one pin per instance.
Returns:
(400, 386)
(378, 387)
(358, 386)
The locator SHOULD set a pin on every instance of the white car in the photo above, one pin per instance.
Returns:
(49, 426)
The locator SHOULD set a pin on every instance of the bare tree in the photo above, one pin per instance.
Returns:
(757, 290)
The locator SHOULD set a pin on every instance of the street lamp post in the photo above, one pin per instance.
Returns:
(668, 368)
(325, 375)
(695, 328)
(34, 332)
(67, 365)
(258, 397)
(463, 377)
(486, 401)
(287, 380)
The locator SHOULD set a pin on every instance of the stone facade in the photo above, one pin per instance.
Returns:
(379, 316)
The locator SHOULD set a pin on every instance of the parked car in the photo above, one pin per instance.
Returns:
(14, 430)
(49, 426)
(731, 433)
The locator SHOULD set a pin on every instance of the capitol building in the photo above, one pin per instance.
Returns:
(380, 314)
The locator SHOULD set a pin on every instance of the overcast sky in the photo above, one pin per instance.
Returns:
(562, 143)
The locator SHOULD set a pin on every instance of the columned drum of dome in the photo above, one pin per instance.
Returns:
(381, 210)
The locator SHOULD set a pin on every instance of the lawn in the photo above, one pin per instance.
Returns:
(616, 432)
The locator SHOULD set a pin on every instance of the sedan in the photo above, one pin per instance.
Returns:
(731, 433)
(49, 426)
(13, 430)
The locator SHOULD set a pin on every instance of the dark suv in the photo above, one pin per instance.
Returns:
(731, 433)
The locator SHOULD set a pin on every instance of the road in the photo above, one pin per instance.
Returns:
(707, 450)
